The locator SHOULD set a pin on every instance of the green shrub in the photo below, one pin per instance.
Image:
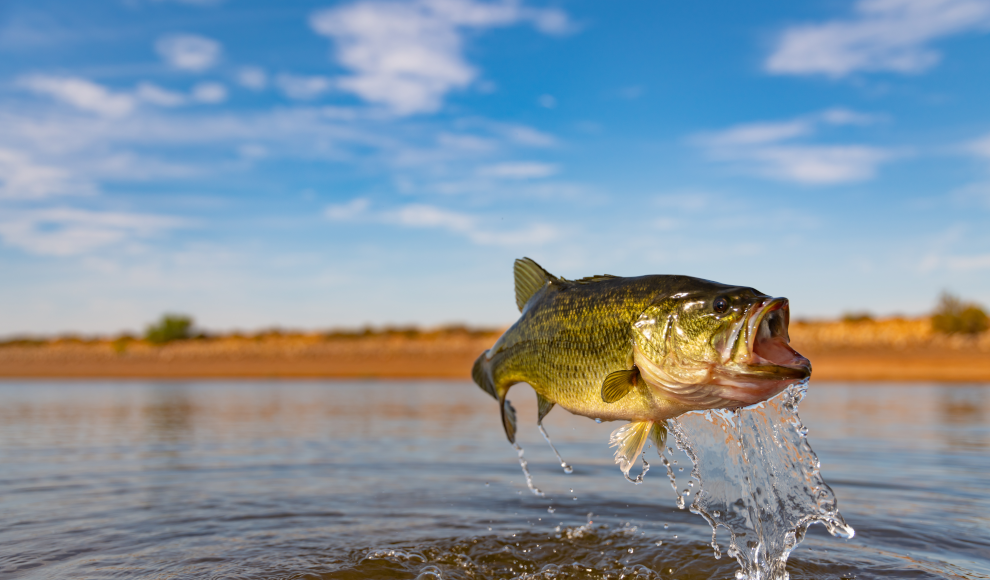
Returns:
(953, 316)
(857, 317)
(170, 327)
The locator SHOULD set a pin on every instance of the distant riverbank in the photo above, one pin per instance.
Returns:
(881, 350)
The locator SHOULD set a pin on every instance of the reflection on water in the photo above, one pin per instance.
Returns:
(372, 480)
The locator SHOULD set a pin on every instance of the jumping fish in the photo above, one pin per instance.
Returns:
(642, 349)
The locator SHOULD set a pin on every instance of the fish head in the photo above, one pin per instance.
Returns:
(711, 345)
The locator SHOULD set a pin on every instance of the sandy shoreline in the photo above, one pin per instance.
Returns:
(895, 350)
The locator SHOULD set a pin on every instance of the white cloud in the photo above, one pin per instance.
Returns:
(432, 217)
(768, 150)
(519, 170)
(189, 52)
(80, 93)
(303, 88)
(981, 147)
(347, 211)
(67, 231)
(883, 35)
(252, 77)
(152, 93)
(210, 93)
(408, 55)
(22, 178)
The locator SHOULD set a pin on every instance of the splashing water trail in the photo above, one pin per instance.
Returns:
(563, 464)
(525, 468)
(759, 479)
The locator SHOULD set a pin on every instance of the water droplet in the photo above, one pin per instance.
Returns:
(665, 526)
(630, 550)
(486, 484)
(659, 542)
(716, 513)
(550, 509)
(597, 420)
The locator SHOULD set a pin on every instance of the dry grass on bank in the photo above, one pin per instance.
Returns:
(888, 349)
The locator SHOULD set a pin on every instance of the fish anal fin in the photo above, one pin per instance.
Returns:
(509, 420)
(543, 406)
(629, 441)
(658, 435)
(530, 277)
(618, 384)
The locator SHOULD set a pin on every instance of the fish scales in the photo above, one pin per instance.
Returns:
(570, 337)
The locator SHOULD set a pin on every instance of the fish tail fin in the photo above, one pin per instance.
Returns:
(629, 440)
(482, 374)
(530, 277)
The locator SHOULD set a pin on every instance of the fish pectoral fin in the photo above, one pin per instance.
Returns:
(509, 420)
(618, 384)
(658, 435)
(543, 406)
(629, 440)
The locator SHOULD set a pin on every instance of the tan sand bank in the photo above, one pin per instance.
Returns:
(888, 350)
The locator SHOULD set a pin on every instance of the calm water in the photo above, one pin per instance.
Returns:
(415, 479)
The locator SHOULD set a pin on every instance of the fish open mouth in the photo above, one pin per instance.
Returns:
(768, 340)
(763, 363)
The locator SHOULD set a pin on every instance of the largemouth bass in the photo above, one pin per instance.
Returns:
(642, 349)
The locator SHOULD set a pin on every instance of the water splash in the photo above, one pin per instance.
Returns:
(525, 469)
(758, 479)
(639, 478)
(563, 464)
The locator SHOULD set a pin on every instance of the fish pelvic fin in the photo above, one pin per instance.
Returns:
(618, 384)
(543, 406)
(530, 277)
(509, 420)
(482, 375)
(629, 441)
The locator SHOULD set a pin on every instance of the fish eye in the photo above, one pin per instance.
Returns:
(720, 305)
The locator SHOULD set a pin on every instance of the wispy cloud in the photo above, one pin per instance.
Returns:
(408, 55)
(770, 150)
(64, 231)
(209, 92)
(156, 95)
(80, 93)
(23, 178)
(424, 216)
(882, 35)
(189, 52)
(980, 147)
(519, 170)
(303, 88)
(252, 77)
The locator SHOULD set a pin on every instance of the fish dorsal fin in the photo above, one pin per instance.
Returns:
(530, 277)
(618, 384)
(509, 420)
(543, 406)
(629, 441)
(598, 278)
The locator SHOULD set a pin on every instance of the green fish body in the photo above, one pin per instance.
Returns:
(642, 349)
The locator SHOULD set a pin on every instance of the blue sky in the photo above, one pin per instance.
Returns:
(319, 164)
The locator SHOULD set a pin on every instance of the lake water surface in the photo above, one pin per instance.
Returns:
(350, 479)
